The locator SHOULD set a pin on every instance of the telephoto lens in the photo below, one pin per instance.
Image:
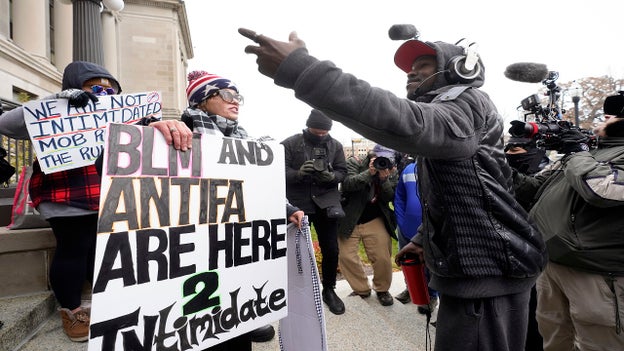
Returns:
(382, 163)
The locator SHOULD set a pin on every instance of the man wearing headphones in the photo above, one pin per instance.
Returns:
(483, 253)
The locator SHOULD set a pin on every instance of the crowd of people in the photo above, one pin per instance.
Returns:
(521, 253)
(489, 233)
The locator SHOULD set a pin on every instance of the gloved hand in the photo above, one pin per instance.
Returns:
(573, 141)
(77, 97)
(518, 128)
(307, 168)
(324, 176)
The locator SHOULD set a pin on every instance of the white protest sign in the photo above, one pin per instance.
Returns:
(66, 137)
(191, 246)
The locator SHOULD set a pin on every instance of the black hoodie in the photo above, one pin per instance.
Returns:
(78, 72)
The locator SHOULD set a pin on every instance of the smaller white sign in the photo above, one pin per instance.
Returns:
(66, 137)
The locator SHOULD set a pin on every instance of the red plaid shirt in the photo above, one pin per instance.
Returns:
(79, 187)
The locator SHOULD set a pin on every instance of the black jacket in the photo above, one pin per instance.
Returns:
(305, 192)
(478, 240)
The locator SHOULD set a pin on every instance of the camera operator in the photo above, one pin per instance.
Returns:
(525, 157)
(577, 203)
(368, 189)
(315, 165)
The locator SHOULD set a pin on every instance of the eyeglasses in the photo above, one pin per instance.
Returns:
(231, 97)
(100, 90)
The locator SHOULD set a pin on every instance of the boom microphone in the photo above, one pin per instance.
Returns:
(527, 72)
(403, 32)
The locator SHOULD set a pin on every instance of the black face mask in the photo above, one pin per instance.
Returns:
(528, 162)
(314, 139)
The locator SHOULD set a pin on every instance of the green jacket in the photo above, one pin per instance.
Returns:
(578, 205)
(357, 192)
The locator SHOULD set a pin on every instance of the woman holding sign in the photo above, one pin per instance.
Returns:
(213, 109)
(69, 199)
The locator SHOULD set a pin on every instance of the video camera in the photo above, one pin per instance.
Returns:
(548, 126)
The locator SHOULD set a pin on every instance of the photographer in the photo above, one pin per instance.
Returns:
(368, 189)
(315, 165)
(577, 203)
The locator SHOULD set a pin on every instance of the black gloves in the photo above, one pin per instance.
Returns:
(307, 168)
(573, 141)
(77, 97)
(518, 129)
(324, 176)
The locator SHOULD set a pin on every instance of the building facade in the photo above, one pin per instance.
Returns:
(146, 46)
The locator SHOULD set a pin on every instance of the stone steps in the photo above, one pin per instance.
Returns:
(22, 316)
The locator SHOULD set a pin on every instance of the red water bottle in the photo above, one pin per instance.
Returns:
(414, 272)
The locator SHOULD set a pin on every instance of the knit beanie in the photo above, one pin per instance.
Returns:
(382, 151)
(318, 120)
(203, 84)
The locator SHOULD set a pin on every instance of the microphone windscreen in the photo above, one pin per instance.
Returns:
(527, 72)
(402, 32)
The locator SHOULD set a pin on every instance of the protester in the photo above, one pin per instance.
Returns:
(69, 199)
(578, 206)
(315, 165)
(213, 109)
(408, 212)
(213, 105)
(368, 189)
(483, 252)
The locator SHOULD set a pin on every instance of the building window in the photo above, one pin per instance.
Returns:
(23, 96)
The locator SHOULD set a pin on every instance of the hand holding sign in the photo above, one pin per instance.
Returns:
(77, 97)
(175, 132)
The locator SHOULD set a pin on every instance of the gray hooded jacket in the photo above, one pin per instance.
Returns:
(478, 240)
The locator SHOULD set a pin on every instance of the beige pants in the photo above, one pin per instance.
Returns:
(378, 247)
(578, 310)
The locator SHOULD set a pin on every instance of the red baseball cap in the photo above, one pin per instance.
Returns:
(410, 51)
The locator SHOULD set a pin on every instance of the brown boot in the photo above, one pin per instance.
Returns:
(76, 325)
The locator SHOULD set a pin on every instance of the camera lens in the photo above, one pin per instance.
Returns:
(381, 163)
(319, 164)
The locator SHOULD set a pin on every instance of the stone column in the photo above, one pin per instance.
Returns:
(4, 19)
(87, 31)
(62, 34)
(109, 37)
(30, 29)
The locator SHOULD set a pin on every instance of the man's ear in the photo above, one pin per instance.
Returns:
(615, 129)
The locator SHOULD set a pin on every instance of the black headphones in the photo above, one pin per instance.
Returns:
(464, 68)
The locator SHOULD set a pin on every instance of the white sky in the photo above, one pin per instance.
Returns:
(577, 38)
